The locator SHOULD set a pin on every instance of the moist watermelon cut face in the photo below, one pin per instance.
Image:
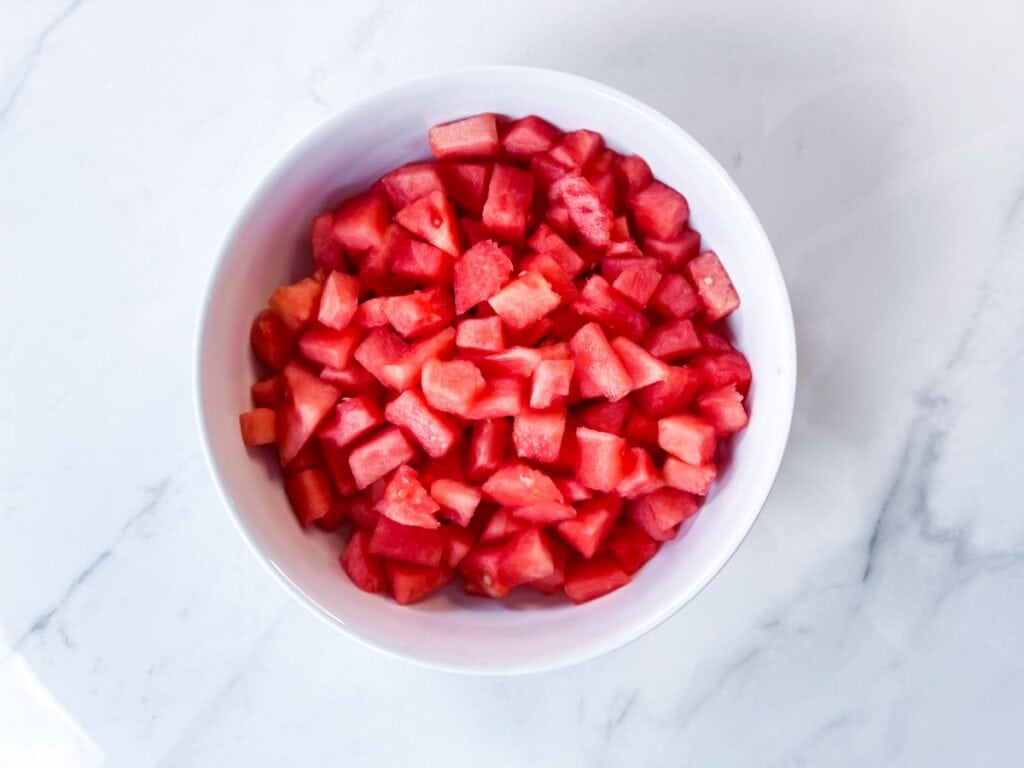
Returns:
(508, 368)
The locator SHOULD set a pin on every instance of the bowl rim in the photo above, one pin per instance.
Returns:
(610, 641)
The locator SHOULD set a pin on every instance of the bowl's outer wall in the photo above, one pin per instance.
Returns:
(268, 246)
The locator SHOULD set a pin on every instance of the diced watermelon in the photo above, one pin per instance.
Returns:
(307, 400)
(640, 476)
(687, 437)
(565, 322)
(420, 312)
(638, 282)
(594, 519)
(435, 433)
(466, 184)
(621, 230)
(578, 148)
(692, 478)
(378, 455)
(633, 174)
(352, 418)
(362, 514)
(339, 300)
(607, 192)
(643, 368)
(406, 501)
(659, 211)
(548, 512)
(670, 396)
(712, 341)
(545, 240)
(404, 372)
(259, 426)
(509, 199)
(459, 500)
(365, 570)
(573, 490)
(328, 347)
(371, 314)
(604, 416)
(631, 547)
(599, 301)
(674, 253)
(451, 386)
(518, 485)
(424, 546)
(451, 466)
(480, 334)
(722, 369)
(378, 349)
(336, 463)
(459, 542)
(309, 493)
(421, 263)
(657, 514)
(558, 219)
(529, 136)
(600, 162)
(723, 407)
(432, 219)
(501, 525)
(411, 583)
(524, 301)
(326, 251)
(360, 222)
(673, 340)
(590, 217)
(267, 393)
(545, 265)
(475, 136)
(549, 585)
(551, 382)
(410, 182)
(537, 435)
(598, 369)
(713, 286)
(526, 557)
(487, 443)
(601, 459)
(480, 569)
(547, 168)
(308, 456)
(479, 274)
(675, 298)
(352, 380)
(297, 304)
(514, 361)
(501, 397)
(334, 517)
(641, 428)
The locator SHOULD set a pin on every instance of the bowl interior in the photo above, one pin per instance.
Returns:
(268, 247)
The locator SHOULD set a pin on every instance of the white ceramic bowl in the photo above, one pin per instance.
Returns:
(267, 247)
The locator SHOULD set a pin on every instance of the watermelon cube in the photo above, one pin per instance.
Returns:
(518, 485)
(526, 557)
(410, 583)
(599, 301)
(720, 369)
(578, 148)
(657, 514)
(434, 432)
(338, 470)
(537, 435)
(551, 382)
(674, 253)
(509, 199)
(643, 367)
(501, 397)
(546, 513)
(712, 341)
(466, 184)
(365, 570)
(514, 361)
(558, 219)
(268, 392)
(420, 312)
(692, 478)
(353, 417)
(546, 240)
(529, 136)
(587, 580)
(307, 400)
(594, 520)
(713, 286)
(421, 263)
(640, 476)
(432, 219)
(475, 136)
(601, 459)
(687, 437)
(631, 547)
(480, 569)
(633, 174)
(409, 183)
(598, 369)
(659, 211)
(604, 184)
(360, 222)
(272, 343)
(590, 217)
(605, 416)
(673, 340)
(328, 347)
(297, 304)
(378, 349)
(362, 514)
(501, 525)
(549, 585)
(412, 544)
(451, 386)
(675, 298)
(309, 493)
(481, 334)
(458, 500)
(352, 380)
(641, 429)
(723, 408)
(460, 541)
(573, 490)
(524, 301)
(259, 426)
(371, 314)
(487, 442)
(545, 265)
(406, 501)
(638, 282)
(479, 274)
(309, 456)
(378, 455)
(339, 300)
(326, 250)
(614, 265)
(404, 372)
(670, 396)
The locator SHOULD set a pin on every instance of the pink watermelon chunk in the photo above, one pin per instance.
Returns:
(552, 380)
(517, 485)
(435, 433)
(411, 182)
(692, 478)
(713, 286)
(307, 400)
(409, 543)
(467, 184)
(673, 341)
(547, 241)
(377, 455)
(537, 435)
(590, 217)
(524, 301)
(353, 417)
(406, 501)
(601, 459)
(451, 386)
(599, 370)
(420, 312)
(339, 300)
(479, 274)
(659, 211)
(432, 219)
(487, 442)
(687, 437)
(593, 522)
(509, 199)
(360, 222)
(675, 298)
(475, 136)
(459, 500)
(529, 136)
(657, 514)
(723, 407)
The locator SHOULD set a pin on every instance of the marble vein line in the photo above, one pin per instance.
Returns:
(28, 63)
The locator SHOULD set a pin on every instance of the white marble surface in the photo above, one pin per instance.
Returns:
(875, 615)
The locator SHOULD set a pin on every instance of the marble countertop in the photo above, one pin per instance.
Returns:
(875, 614)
